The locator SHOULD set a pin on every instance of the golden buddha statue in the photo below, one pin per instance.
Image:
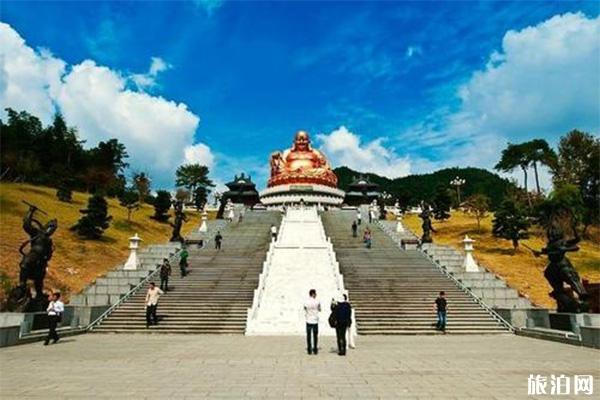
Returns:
(301, 165)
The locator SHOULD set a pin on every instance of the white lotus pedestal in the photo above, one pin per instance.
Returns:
(133, 261)
(469, 263)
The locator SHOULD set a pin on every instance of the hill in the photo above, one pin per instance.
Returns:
(75, 262)
(412, 189)
(521, 270)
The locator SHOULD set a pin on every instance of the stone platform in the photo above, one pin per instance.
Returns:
(130, 366)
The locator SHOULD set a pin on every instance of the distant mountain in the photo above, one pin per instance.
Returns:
(412, 189)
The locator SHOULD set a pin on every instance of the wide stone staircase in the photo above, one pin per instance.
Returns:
(393, 291)
(215, 295)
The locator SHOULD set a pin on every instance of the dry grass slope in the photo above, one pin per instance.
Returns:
(75, 262)
(521, 270)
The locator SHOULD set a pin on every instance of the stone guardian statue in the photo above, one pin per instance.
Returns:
(34, 262)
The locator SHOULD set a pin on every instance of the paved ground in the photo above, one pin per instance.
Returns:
(204, 366)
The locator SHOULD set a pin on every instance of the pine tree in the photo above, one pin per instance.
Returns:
(441, 203)
(130, 199)
(64, 193)
(162, 204)
(95, 218)
(511, 222)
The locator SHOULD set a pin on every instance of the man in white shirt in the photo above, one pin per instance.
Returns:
(55, 310)
(312, 307)
(152, 296)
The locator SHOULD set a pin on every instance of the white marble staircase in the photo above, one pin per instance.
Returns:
(302, 258)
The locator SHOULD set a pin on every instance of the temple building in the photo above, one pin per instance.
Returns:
(361, 191)
(301, 174)
(241, 191)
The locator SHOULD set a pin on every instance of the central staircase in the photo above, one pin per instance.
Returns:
(393, 290)
(215, 295)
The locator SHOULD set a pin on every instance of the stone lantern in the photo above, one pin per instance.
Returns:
(399, 226)
(133, 261)
(469, 263)
(204, 225)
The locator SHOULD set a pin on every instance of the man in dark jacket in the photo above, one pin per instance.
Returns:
(343, 317)
(165, 272)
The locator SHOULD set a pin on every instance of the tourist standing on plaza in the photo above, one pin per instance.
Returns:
(242, 213)
(183, 263)
(354, 229)
(273, 232)
(165, 272)
(358, 216)
(441, 306)
(152, 296)
(55, 310)
(218, 240)
(367, 238)
(312, 307)
(343, 321)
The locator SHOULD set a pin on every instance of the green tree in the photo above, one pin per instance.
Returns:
(441, 203)
(516, 156)
(200, 197)
(162, 204)
(64, 192)
(539, 152)
(564, 207)
(192, 177)
(142, 183)
(478, 205)
(95, 218)
(130, 199)
(511, 222)
(579, 164)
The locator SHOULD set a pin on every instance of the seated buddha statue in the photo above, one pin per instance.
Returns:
(301, 164)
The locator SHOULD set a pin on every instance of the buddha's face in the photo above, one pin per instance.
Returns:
(301, 142)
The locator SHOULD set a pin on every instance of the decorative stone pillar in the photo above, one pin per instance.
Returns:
(399, 226)
(133, 261)
(469, 264)
(204, 226)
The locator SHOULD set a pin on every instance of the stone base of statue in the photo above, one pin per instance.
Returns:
(309, 194)
(573, 322)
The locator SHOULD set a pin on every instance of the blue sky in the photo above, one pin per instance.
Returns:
(389, 87)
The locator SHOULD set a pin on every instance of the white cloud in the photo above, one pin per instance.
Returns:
(199, 154)
(158, 133)
(26, 76)
(344, 148)
(544, 81)
(149, 79)
(412, 51)
(209, 6)
(541, 84)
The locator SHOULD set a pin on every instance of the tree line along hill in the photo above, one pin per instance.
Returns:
(412, 189)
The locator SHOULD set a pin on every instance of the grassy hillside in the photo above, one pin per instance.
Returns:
(522, 270)
(75, 262)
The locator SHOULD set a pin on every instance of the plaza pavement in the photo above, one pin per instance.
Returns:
(105, 366)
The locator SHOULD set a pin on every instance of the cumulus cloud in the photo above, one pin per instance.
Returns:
(542, 83)
(199, 154)
(27, 76)
(344, 148)
(158, 133)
